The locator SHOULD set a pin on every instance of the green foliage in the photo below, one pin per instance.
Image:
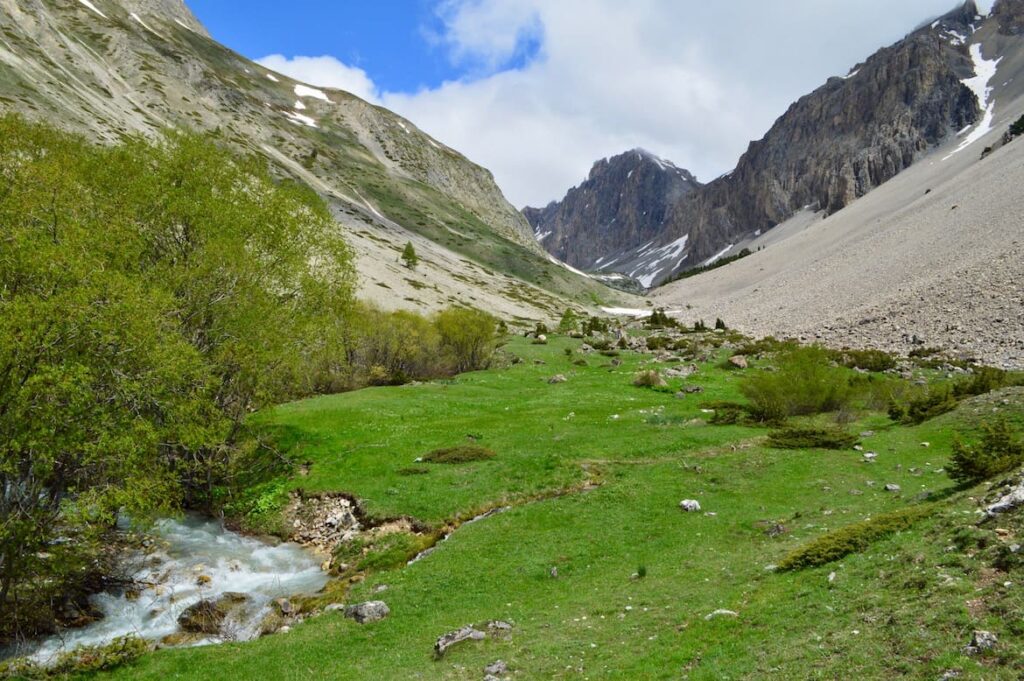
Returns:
(570, 321)
(409, 257)
(660, 320)
(82, 660)
(766, 345)
(594, 325)
(152, 295)
(999, 451)
(648, 379)
(467, 337)
(982, 381)
(811, 438)
(804, 383)
(853, 538)
(658, 342)
(720, 325)
(923, 405)
(721, 262)
(868, 360)
(460, 454)
(1017, 129)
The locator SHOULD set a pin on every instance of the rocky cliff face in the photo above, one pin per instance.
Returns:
(623, 204)
(831, 147)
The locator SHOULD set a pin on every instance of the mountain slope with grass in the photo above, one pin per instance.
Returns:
(111, 68)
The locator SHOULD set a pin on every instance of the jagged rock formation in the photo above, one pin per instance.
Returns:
(832, 146)
(622, 204)
(108, 68)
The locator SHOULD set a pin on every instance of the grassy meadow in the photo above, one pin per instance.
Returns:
(593, 470)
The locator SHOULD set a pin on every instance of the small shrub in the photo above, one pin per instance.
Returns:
(1017, 129)
(868, 360)
(998, 452)
(720, 325)
(933, 402)
(805, 383)
(763, 346)
(852, 538)
(922, 353)
(460, 454)
(595, 325)
(641, 571)
(98, 658)
(811, 438)
(570, 321)
(984, 380)
(649, 379)
(611, 353)
(660, 320)
(655, 343)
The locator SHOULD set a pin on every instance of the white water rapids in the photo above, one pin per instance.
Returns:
(173, 576)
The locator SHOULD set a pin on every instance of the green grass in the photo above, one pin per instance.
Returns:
(896, 608)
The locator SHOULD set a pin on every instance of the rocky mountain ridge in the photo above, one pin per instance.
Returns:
(623, 203)
(834, 145)
(110, 68)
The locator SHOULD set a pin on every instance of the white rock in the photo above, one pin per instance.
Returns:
(690, 505)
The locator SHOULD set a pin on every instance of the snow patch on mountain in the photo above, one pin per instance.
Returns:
(306, 91)
(93, 8)
(984, 72)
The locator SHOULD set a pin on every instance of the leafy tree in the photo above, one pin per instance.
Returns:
(409, 257)
(151, 296)
(467, 337)
(570, 321)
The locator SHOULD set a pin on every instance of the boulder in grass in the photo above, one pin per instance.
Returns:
(690, 505)
(452, 638)
(371, 611)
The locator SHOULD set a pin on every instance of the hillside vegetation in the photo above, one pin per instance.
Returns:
(152, 296)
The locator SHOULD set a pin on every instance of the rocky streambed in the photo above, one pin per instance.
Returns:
(195, 583)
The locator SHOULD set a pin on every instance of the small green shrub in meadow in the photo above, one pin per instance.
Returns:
(804, 383)
(853, 538)
(649, 379)
(811, 438)
(926, 405)
(460, 454)
(999, 451)
(867, 360)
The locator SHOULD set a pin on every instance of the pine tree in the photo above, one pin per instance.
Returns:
(409, 256)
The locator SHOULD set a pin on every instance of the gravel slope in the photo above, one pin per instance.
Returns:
(933, 257)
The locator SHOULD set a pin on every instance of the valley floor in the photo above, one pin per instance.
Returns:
(613, 580)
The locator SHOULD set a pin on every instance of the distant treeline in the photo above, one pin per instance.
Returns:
(721, 262)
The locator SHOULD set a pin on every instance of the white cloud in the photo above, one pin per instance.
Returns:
(691, 81)
(324, 71)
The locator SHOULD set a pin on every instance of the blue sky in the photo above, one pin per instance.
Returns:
(537, 90)
(389, 39)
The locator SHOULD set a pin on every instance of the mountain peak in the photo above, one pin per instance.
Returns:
(167, 10)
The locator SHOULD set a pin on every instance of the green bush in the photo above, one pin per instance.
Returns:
(811, 438)
(570, 321)
(1017, 129)
(984, 380)
(648, 379)
(467, 337)
(852, 538)
(460, 454)
(926, 405)
(804, 383)
(660, 320)
(999, 451)
(868, 360)
(655, 343)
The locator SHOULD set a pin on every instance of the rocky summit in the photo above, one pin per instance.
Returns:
(851, 135)
(623, 204)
